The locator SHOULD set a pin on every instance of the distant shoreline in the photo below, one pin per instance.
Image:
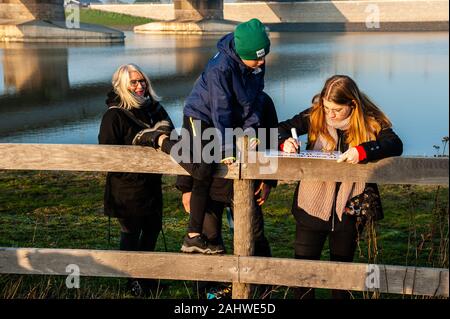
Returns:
(119, 21)
(320, 16)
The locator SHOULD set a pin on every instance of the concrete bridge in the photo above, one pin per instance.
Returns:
(315, 15)
(53, 10)
(192, 16)
(45, 21)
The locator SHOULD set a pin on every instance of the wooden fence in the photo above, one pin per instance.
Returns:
(241, 268)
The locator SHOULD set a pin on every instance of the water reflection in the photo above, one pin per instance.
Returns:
(33, 71)
(53, 95)
(56, 95)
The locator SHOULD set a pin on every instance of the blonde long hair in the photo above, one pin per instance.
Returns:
(366, 119)
(121, 81)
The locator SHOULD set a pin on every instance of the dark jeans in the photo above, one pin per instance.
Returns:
(140, 233)
(311, 233)
(212, 227)
(201, 173)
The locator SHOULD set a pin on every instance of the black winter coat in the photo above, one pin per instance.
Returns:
(130, 194)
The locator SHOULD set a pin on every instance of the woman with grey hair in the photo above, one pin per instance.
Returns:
(134, 116)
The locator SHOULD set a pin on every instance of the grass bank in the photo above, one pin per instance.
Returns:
(111, 19)
(65, 210)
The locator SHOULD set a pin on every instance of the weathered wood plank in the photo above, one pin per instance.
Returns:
(398, 170)
(395, 170)
(250, 270)
(101, 158)
(110, 263)
(346, 276)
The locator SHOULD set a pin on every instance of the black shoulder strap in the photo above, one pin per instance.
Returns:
(132, 117)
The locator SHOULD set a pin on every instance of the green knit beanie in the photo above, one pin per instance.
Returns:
(251, 40)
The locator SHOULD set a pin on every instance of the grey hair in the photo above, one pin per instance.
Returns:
(121, 81)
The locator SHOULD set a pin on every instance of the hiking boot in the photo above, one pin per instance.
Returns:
(218, 242)
(199, 244)
(217, 249)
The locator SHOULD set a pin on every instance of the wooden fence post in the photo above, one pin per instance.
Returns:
(243, 207)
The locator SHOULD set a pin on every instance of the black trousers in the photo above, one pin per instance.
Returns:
(311, 233)
(194, 164)
(201, 173)
(212, 227)
(140, 233)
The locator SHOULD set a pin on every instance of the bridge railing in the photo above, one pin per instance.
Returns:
(241, 268)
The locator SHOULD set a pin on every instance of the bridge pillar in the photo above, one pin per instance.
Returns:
(192, 16)
(198, 9)
(52, 10)
(45, 21)
(30, 71)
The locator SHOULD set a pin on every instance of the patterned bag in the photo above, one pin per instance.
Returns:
(366, 206)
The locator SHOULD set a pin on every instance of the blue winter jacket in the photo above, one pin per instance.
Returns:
(227, 94)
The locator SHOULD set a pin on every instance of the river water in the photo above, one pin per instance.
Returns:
(55, 94)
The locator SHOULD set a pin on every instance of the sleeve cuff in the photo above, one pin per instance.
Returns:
(232, 158)
(167, 145)
(362, 153)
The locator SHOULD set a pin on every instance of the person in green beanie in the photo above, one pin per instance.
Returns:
(251, 43)
(228, 94)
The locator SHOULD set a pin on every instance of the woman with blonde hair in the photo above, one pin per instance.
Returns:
(341, 118)
(134, 116)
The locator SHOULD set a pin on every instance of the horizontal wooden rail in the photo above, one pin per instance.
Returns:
(346, 276)
(240, 270)
(396, 170)
(99, 158)
(227, 268)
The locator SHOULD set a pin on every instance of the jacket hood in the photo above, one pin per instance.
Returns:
(112, 99)
(226, 46)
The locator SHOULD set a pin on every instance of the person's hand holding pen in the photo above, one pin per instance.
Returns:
(292, 144)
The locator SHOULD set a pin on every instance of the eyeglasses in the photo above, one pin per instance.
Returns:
(134, 83)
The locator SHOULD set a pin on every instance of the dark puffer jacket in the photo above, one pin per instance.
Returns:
(221, 189)
(227, 94)
(130, 194)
